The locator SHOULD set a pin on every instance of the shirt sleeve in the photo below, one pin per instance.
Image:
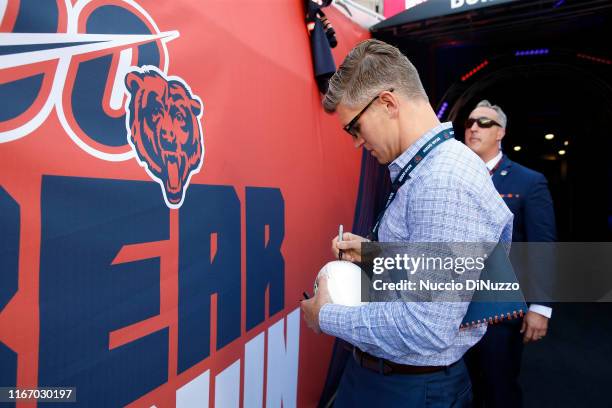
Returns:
(444, 210)
(545, 311)
(393, 329)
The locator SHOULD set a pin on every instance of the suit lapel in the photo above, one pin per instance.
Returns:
(502, 172)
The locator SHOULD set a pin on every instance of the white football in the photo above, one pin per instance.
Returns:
(343, 282)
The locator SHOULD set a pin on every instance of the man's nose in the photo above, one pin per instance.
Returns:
(359, 142)
(474, 126)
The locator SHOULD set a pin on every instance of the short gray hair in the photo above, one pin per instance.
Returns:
(372, 67)
(503, 119)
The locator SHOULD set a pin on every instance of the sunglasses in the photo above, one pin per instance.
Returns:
(482, 123)
(350, 127)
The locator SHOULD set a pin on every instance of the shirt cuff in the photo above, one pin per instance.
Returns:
(334, 319)
(542, 310)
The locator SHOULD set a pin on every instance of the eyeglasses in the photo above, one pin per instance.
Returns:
(350, 127)
(483, 122)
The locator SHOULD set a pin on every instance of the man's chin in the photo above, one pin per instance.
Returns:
(379, 159)
(382, 161)
(475, 147)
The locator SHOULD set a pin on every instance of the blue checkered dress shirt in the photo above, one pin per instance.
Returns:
(448, 198)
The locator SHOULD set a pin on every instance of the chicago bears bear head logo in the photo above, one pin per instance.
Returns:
(163, 123)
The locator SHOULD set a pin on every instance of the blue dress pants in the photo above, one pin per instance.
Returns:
(361, 387)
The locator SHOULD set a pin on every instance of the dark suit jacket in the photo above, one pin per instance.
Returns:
(526, 193)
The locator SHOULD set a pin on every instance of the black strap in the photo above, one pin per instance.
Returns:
(404, 175)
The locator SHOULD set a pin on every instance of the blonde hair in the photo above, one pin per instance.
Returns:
(372, 67)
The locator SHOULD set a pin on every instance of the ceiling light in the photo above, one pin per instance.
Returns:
(561, 152)
(549, 136)
(566, 143)
(517, 148)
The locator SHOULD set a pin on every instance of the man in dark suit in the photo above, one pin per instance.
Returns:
(494, 363)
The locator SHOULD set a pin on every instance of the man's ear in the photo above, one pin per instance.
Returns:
(500, 134)
(390, 101)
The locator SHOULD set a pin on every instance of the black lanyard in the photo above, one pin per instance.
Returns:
(404, 175)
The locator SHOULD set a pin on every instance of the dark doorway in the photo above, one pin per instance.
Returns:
(558, 118)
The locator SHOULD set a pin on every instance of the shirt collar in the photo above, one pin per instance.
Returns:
(398, 164)
(493, 162)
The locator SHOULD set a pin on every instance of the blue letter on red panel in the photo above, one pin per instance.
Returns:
(85, 222)
(9, 271)
(209, 263)
(33, 16)
(92, 75)
(265, 211)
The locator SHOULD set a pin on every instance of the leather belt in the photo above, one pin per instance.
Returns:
(386, 367)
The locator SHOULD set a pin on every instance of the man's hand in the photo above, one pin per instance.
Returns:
(350, 246)
(312, 306)
(534, 327)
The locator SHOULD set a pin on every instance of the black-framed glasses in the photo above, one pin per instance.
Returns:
(482, 122)
(349, 128)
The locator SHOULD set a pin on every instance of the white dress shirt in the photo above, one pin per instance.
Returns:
(493, 162)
